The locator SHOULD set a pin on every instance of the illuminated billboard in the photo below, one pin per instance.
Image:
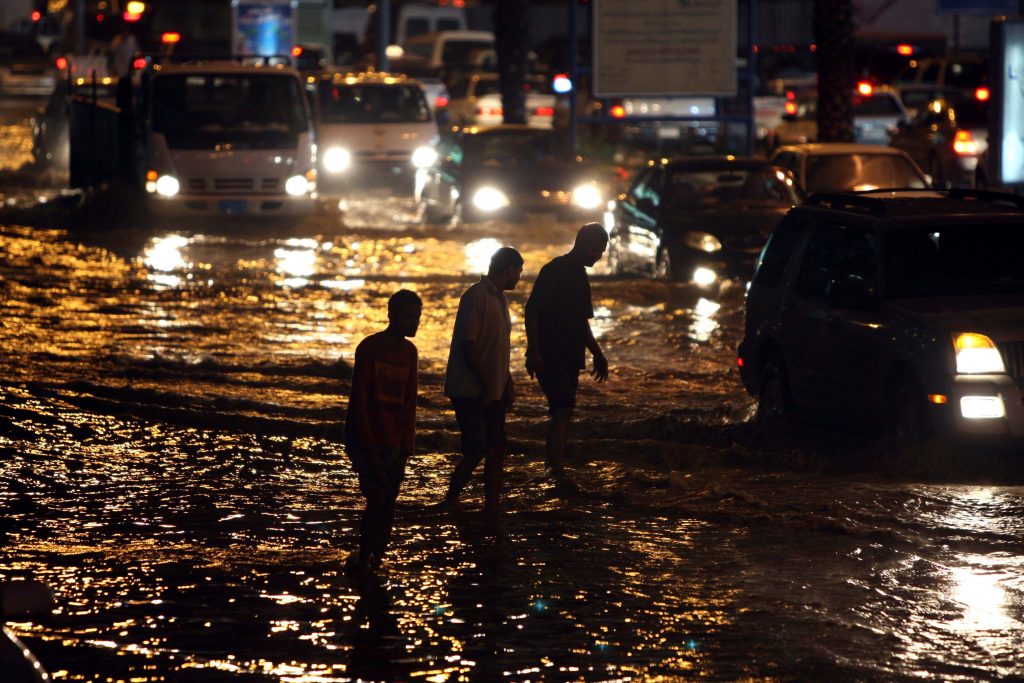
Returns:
(1006, 116)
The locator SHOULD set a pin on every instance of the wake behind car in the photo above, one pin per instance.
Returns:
(698, 218)
(506, 172)
(896, 311)
(374, 128)
(227, 137)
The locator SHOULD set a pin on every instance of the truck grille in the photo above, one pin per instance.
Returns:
(1013, 358)
(227, 185)
(232, 184)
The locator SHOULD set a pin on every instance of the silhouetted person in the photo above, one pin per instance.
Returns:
(380, 424)
(478, 381)
(558, 334)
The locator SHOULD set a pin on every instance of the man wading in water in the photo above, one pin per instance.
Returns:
(558, 334)
(380, 425)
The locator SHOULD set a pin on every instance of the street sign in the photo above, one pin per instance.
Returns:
(1006, 113)
(664, 47)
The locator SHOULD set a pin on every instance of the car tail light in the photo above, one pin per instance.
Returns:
(618, 111)
(964, 143)
(790, 95)
(441, 101)
(62, 63)
(544, 111)
(904, 49)
(489, 111)
(865, 88)
(170, 37)
(791, 108)
(297, 51)
(982, 94)
(139, 63)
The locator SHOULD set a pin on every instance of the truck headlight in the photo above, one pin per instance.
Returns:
(489, 199)
(586, 196)
(976, 354)
(297, 185)
(423, 157)
(702, 241)
(337, 160)
(167, 186)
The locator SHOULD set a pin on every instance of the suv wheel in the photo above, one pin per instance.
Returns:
(774, 401)
(907, 438)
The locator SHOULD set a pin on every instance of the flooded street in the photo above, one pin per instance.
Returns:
(171, 466)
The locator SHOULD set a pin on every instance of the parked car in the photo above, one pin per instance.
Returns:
(476, 101)
(312, 58)
(948, 140)
(445, 49)
(839, 166)
(966, 71)
(898, 312)
(25, 68)
(917, 96)
(877, 111)
(698, 218)
(507, 172)
(374, 128)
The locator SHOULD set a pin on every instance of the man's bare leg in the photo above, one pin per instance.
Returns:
(558, 435)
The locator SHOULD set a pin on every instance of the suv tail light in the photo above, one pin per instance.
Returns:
(489, 111)
(544, 111)
(441, 101)
(964, 143)
(982, 94)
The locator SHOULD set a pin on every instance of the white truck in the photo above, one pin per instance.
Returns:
(227, 137)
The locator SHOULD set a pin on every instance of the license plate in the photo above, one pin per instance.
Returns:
(233, 205)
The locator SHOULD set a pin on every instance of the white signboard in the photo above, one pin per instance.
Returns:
(1009, 106)
(664, 47)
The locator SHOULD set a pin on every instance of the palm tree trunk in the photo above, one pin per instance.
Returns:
(833, 37)
(512, 22)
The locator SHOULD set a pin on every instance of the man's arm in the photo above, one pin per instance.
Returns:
(600, 371)
(409, 406)
(534, 362)
(358, 427)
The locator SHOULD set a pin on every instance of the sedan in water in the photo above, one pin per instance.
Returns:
(505, 172)
(701, 219)
(841, 167)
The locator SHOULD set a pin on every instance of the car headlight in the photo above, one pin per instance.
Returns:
(167, 186)
(702, 241)
(586, 196)
(704, 277)
(489, 199)
(423, 157)
(337, 160)
(297, 185)
(976, 354)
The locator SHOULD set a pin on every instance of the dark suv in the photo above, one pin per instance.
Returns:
(894, 310)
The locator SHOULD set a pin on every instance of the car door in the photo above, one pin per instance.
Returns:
(831, 344)
(918, 138)
(635, 228)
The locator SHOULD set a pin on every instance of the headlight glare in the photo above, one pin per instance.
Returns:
(424, 157)
(296, 186)
(489, 199)
(702, 241)
(977, 354)
(167, 186)
(586, 196)
(337, 160)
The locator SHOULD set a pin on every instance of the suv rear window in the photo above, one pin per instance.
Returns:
(778, 251)
(829, 172)
(954, 261)
(876, 105)
(344, 103)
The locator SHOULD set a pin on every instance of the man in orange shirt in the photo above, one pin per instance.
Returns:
(380, 424)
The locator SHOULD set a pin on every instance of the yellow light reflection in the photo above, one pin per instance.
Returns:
(294, 263)
(704, 323)
(165, 253)
(984, 600)
(479, 252)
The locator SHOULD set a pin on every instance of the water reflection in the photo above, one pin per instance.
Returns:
(478, 254)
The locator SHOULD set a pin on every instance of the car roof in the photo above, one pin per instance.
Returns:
(367, 78)
(221, 66)
(839, 148)
(712, 162)
(500, 128)
(916, 208)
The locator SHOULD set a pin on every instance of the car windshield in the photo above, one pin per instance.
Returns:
(971, 114)
(343, 103)
(840, 172)
(21, 49)
(714, 187)
(492, 86)
(522, 149)
(955, 261)
(261, 111)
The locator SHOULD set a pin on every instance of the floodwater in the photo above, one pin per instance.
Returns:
(169, 465)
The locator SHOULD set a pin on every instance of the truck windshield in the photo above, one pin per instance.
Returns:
(259, 111)
(955, 261)
(358, 103)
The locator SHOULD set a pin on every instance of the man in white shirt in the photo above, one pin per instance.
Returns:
(478, 381)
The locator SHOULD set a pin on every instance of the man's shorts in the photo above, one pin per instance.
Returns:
(482, 425)
(559, 383)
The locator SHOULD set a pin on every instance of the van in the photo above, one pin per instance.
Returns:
(414, 20)
(375, 129)
(227, 137)
(451, 48)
